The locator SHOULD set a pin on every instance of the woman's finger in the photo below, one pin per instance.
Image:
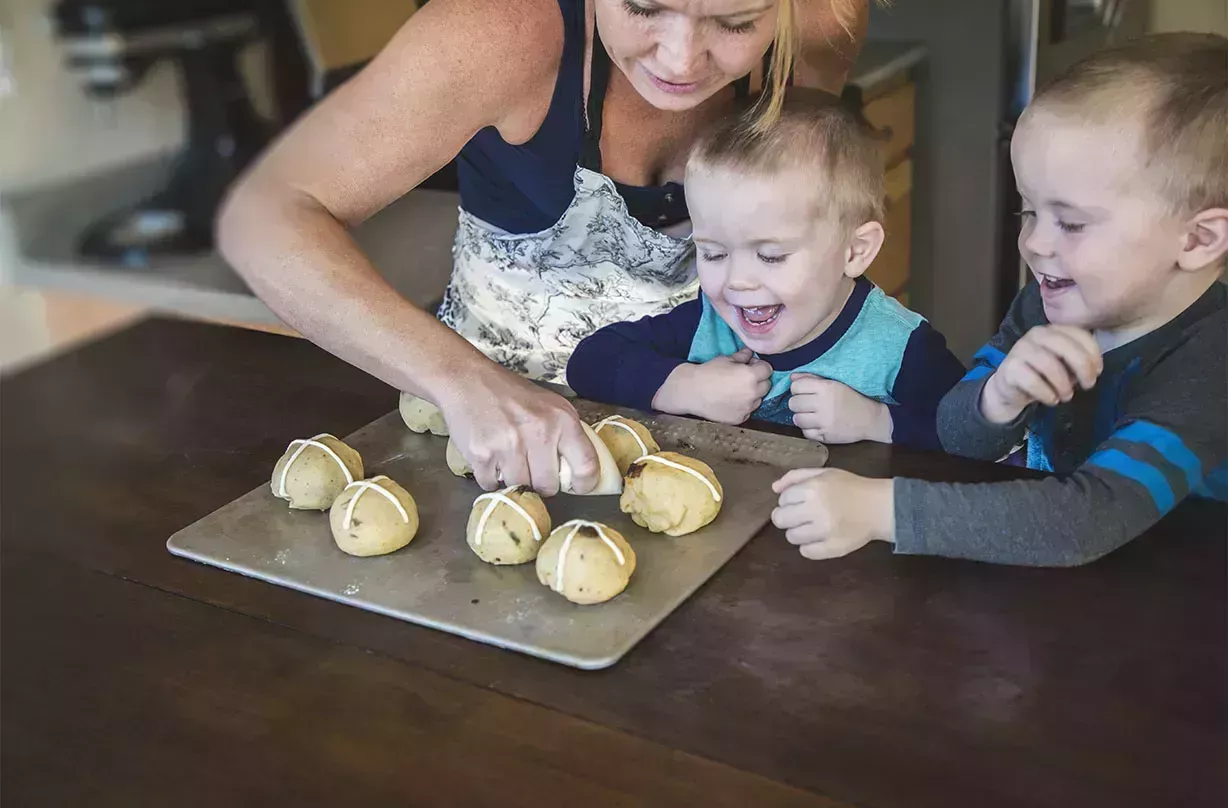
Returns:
(543, 457)
(512, 468)
(575, 448)
(487, 474)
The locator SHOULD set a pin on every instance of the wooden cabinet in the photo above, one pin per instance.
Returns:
(891, 269)
(892, 111)
(894, 115)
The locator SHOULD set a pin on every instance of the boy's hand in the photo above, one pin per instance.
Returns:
(726, 390)
(836, 413)
(830, 513)
(1044, 367)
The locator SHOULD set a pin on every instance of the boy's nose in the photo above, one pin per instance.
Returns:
(741, 280)
(1034, 241)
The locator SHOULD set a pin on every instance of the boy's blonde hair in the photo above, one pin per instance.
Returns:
(813, 132)
(1176, 85)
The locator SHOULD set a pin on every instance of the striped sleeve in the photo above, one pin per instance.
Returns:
(984, 363)
(1155, 459)
(962, 429)
(1170, 443)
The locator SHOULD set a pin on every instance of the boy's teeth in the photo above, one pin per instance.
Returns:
(760, 314)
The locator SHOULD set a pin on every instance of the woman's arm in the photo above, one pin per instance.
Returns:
(832, 32)
(456, 67)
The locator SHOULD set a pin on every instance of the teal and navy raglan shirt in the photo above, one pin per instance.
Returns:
(875, 346)
(1153, 431)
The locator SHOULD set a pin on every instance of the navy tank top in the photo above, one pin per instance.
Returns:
(526, 188)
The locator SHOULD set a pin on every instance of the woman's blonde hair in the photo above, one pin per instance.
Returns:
(786, 45)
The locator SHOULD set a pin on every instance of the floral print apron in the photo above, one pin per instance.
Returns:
(526, 301)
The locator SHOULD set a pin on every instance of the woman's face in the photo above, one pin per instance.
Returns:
(678, 53)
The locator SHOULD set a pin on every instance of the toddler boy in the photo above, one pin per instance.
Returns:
(787, 218)
(1110, 366)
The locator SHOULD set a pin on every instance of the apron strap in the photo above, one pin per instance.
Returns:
(599, 80)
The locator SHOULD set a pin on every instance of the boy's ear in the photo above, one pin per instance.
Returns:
(1206, 242)
(863, 248)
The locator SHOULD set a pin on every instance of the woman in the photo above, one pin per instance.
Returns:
(572, 121)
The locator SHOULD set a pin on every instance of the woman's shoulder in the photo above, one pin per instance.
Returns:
(526, 29)
(493, 61)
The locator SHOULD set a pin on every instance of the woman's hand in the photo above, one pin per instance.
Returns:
(513, 432)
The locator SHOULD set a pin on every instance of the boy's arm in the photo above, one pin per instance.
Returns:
(626, 363)
(962, 428)
(1170, 442)
(928, 370)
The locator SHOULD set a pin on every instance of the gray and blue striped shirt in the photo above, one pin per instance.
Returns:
(1152, 432)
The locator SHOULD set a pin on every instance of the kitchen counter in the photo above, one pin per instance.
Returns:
(131, 676)
(410, 241)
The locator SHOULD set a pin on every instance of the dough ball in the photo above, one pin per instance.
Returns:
(502, 533)
(626, 439)
(373, 517)
(421, 415)
(671, 493)
(314, 471)
(586, 562)
(609, 479)
(457, 462)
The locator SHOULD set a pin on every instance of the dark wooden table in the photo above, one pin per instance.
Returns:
(133, 677)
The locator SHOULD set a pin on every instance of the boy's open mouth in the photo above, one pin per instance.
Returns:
(759, 319)
(1052, 284)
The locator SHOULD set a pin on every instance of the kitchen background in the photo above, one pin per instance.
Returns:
(942, 78)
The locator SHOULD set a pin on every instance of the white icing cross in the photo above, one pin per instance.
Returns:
(363, 487)
(575, 525)
(495, 497)
(716, 495)
(617, 420)
(303, 444)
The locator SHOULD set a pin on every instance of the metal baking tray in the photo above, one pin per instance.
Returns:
(437, 581)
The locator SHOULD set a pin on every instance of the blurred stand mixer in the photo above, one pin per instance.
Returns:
(112, 44)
